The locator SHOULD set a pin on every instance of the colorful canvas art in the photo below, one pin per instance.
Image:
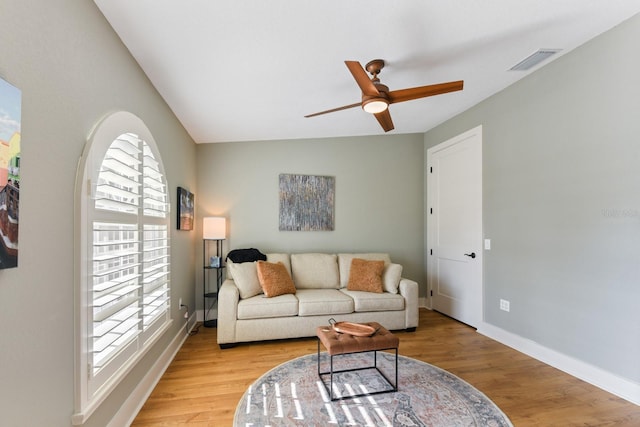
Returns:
(10, 116)
(306, 202)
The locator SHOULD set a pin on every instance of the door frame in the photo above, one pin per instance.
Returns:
(430, 230)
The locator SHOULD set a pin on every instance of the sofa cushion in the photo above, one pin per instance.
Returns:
(261, 307)
(274, 279)
(314, 302)
(283, 258)
(365, 275)
(315, 271)
(245, 276)
(344, 262)
(369, 301)
(391, 278)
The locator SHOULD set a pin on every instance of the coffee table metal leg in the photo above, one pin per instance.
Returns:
(395, 387)
(331, 378)
(318, 356)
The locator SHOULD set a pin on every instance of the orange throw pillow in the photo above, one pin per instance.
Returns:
(274, 279)
(366, 275)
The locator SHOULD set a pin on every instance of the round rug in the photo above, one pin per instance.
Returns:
(293, 395)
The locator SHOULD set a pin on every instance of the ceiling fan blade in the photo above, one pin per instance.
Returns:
(345, 107)
(385, 121)
(363, 80)
(424, 91)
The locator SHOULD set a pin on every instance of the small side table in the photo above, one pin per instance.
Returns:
(209, 292)
(341, 344)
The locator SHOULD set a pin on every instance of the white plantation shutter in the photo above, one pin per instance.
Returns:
(130, 286)
(154, 190)
(155, 273)
(115, 291)
(125, 280)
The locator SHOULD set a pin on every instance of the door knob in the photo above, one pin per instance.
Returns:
(472, 255)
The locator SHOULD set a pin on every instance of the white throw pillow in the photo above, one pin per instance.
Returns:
(314, 270)
(391, 278)
(245, 276)
(283, 258)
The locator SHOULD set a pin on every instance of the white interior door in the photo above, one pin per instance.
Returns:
(454, 226)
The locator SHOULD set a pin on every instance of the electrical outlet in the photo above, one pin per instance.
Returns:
(505, 305)
(186, 314)
(180, 303)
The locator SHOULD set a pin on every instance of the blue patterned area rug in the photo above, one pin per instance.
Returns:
(292, 395)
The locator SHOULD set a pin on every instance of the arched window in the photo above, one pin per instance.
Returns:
(122, 289)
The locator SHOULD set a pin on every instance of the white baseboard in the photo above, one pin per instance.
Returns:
(600, 378)
(424, 302)
(128, 411)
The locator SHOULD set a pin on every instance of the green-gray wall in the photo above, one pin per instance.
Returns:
(561, 185)
(378, 194)
(72, 70)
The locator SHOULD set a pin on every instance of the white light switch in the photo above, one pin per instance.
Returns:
(487, 244)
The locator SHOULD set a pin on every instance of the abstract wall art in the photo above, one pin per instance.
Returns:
(306, 202)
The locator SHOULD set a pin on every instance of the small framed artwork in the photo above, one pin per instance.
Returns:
(185, 209)
(214, 261)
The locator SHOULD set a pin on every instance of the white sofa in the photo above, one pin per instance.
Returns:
(245, 314)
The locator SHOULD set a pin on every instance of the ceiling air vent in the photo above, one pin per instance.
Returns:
(534, 59)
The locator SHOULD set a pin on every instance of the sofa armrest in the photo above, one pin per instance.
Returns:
(409, 290)
(228, 297)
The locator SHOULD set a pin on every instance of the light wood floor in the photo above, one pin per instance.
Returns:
(204, 384)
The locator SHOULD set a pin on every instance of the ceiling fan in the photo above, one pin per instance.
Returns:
(376, 97)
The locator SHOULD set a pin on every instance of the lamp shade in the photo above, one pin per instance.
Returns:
(214, 228)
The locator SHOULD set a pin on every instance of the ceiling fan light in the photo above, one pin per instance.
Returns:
(375, 106)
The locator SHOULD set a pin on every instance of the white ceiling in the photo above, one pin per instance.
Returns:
(243, 70)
